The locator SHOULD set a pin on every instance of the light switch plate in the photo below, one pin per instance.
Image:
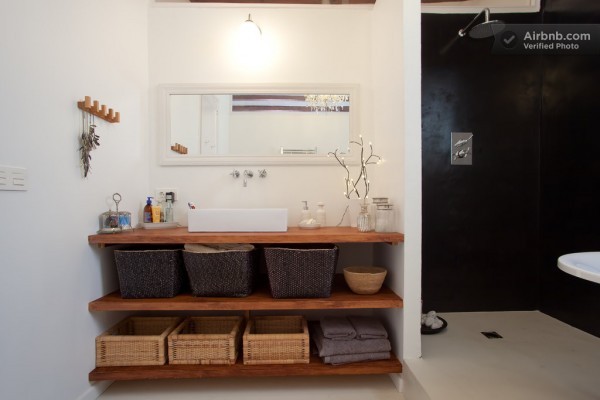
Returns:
(461, 148)
(13, 178)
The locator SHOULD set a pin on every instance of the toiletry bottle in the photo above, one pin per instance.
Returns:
(169, 207)
(148, 210)
(321, 214)
(162, 210)
(155, 213)
(305, 213)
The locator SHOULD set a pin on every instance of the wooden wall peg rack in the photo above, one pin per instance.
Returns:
(99, 111)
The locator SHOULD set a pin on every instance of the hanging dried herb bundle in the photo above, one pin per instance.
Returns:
(88, 142)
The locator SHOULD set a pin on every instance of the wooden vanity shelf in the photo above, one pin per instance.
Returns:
(261, 299)
(293, 235)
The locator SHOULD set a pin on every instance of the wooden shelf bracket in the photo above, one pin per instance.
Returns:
(100, 111)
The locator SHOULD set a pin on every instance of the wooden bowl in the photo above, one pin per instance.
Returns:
(364, 280)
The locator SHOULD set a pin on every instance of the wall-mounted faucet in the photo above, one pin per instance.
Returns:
(248, 174)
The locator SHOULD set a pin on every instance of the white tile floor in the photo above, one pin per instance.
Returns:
(538, 357)
(377, 387)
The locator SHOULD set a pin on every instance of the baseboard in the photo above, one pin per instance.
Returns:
(95, 390)
(397, 381)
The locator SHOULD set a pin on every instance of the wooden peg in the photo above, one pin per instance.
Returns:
(87, 102)
(96, 106)
(117, 117)
(103, 110)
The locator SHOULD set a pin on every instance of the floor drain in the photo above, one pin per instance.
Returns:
(491, 335)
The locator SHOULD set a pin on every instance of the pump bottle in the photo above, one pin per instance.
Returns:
(305, 213)
(148, 210)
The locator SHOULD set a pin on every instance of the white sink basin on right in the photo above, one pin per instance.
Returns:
(582, 265)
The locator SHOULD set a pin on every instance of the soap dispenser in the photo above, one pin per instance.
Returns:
(305, 213)
(148, 210)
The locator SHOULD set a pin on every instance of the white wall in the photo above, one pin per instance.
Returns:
(191, 43)
(53, 54)
(376, 47)
(397, 122)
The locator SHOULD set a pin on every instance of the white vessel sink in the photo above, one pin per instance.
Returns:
(581, 265)
(238, 220)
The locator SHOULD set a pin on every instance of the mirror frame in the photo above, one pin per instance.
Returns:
(165, 157)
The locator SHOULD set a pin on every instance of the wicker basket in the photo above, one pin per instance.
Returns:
(276, 340)
(146, 273)
(225, 274)
(206, 340)
(135, 341)
(301, 272)
(364, 280)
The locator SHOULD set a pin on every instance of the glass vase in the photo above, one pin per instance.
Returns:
(363, 222)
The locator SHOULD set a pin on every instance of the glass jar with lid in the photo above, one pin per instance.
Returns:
(384, 218)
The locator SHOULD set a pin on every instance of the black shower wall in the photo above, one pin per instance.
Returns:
(480, 222)
(570, 172)
(492, 231)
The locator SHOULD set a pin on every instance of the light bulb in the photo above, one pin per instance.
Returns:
(250, 49)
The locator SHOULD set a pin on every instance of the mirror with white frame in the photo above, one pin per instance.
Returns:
(266, 124)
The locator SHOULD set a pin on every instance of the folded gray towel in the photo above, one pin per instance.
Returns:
(337, 328)
(368, 328)
(328, 347)
(350, 358)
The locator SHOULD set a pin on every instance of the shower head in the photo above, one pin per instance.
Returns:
(483, 30)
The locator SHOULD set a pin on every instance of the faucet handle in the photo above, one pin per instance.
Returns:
(235, 173)
(262, 173)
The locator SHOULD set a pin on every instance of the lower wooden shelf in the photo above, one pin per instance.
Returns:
(315, 367)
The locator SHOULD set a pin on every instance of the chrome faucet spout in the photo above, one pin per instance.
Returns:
(247, 174)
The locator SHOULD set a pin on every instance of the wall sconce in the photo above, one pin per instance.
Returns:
(250, 46)
(250, 30)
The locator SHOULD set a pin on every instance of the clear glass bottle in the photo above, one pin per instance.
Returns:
(169, 208)
(384, 219)
(321, 219)
(363, 222)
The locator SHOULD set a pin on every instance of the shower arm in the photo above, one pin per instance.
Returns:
(463, 31)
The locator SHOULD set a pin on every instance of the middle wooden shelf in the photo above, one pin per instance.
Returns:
(261, 299)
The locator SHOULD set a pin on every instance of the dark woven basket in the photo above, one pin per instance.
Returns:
(226, 274)
(146, 273)
(301, 272)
